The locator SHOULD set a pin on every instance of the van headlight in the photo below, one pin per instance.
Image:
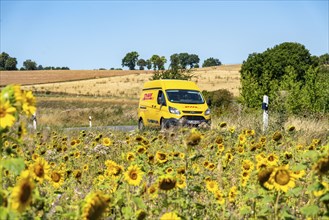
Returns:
(207, 112)
(174, 111)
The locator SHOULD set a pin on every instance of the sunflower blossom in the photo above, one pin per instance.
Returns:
(7, 118)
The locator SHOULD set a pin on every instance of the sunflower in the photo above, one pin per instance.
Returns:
(141, 214)
(161, 157)
(298, 174)
(232, 194)
(228, 157)
(194, 138)
(130, 156)
(21, 195)
(282, 179)
(219, 196)
(39, 169)
(195, 168)
(232, 130)
(134, 175)
(182, 156)
(106, 141)
(169, 170)
(57, 178)
(35, 156)
(113, 168)
(181, 182)
(95, 205)
(291, 128)
(220, 148)
(322, 166)
(242, 138)
(321, 189)
(181, 170)
(167, 182)
(211, 166)
(141, 149)
(212, 185)
(264, 176)
(7, 112)
(277, 136)
(152, 191)
(272, 159)
(29, 103)
(247, 165)
(170, 216)
(222, 124)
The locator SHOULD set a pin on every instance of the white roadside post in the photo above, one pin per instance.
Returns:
(265, 112)
(34, 121)
(89, 121)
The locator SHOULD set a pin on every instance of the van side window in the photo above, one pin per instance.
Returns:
(161, 98)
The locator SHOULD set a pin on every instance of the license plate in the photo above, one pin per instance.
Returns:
(192, 122)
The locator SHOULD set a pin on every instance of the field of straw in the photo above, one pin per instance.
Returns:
(129, 85)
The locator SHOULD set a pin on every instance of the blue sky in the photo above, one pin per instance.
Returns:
(98, 34)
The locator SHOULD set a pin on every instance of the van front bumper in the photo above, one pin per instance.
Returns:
(194, 121)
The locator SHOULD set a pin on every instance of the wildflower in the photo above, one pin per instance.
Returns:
(212, 185)
(247, 165)
(29, 103)
(181, 182)
(153, 191)
(322, 166)
(7, 118)
(194, 138)
(242, 138)
(57, 178)
(141, 214)
(277, 136)
(113, 168)
(219, 140)
(95, 205)
(169, 170)
(107, 141)
(220, 147)
(166, 182)
(219, 196)
(272, 159)
(161, 157)
(130, 156)
(21, 196)
(39, 169)
(282, 179)
(141, 149)
(170, 216)
(134, 175)
(232, 194)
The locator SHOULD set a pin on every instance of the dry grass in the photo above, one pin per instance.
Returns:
(129, 86)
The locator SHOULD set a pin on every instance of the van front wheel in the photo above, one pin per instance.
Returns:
(140, 124)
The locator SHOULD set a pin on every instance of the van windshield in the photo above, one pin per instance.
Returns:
(184, 96)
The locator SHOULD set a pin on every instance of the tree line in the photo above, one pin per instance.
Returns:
(10, 63)
(156, 62)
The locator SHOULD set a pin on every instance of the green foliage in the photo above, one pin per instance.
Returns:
(7, 62)
(211, 62)
(141, 63)
(219, 98)
(130, 60)
(289, 75)
(158, 62)
(182, 60)
(172, 74)
(29, 65)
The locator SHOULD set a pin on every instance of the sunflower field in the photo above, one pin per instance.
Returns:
(183, 173)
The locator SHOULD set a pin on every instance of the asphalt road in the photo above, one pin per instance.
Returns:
(116, 128)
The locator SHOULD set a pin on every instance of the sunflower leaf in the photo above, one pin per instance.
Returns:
(139, 202)
(310, 210)
(325, 197)
(15, 165)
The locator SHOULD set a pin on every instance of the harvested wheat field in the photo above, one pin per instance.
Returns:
(130, 85)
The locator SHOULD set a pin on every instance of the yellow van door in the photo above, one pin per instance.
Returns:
(157, 107)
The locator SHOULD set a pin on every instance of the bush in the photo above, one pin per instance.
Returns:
(221, 98)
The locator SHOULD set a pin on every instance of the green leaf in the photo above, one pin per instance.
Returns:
(298, 167)
(310, 210)
(127, 213)
(14, 165)
(3, 213)
(59, 209)
(140, 203)
(311, 155)
(325, 197)
(196, 189)
(245, 210)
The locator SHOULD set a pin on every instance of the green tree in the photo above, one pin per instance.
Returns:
(324, 59)
(29, 65)
(211, 62)
(183, 60)
(3, 57)
(267, 71)
(11, 64)
(130, 60)
(158, 62)
(141, 63)
(193, 60)
(148, 64)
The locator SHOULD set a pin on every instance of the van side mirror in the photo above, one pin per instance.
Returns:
(209, 102)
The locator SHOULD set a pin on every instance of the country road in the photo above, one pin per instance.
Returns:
(116, 128)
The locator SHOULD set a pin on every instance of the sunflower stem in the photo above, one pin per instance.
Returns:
(276, 206)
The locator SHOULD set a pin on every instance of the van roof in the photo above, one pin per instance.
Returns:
(170, 84)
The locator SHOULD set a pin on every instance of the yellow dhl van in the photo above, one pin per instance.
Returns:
(165, 103)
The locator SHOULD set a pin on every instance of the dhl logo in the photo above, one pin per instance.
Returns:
(190, 106)
(148, 96)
